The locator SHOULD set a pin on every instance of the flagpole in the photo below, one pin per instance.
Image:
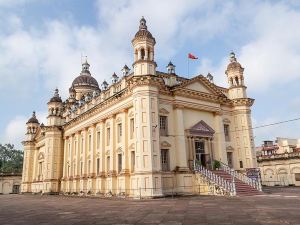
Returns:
(188, 62)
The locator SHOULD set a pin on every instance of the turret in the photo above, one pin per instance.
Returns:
(55, 110)
(171, 68)
(32, 126)
(235, 77)
(143, 46)
(125, 70)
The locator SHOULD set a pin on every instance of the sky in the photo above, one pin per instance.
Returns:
(42, 41)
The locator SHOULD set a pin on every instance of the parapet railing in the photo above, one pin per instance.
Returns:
(255, 183)
(228, 186)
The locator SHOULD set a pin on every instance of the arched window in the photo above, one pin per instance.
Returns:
(231, 81)
(142, 53)
(236, 80)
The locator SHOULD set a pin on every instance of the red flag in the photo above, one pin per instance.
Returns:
(191, 56)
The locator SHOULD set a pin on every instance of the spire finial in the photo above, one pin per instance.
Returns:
(232, 57)
(143, 25)
(85, 65)
(56, 92)
(33, 114)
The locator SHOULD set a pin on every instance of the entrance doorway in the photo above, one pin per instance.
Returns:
(16, 189)
(200, 152)
(229, 159)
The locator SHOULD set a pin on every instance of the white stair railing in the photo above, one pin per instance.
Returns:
(252, 182)
(216, 179)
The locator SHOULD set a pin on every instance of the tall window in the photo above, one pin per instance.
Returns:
(163, 125)
(81, 168)
(89, 167)
(199, 149)
(75, 147)
(90, 142)
(165, 164)
(98, 166)
(98, 139)
(119, 163)
(108, 136)
(74, 169)
(119, 132)
(131, 128)
(69, 148)
(108, 163)
(132, 161)
(81, 145)
(68, 170)
(40, 170)
(226, 132)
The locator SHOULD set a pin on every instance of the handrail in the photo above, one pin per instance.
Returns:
(252, 182)
(216, 179)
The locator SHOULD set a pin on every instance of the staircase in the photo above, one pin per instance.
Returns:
(242, 189)
(230, 181)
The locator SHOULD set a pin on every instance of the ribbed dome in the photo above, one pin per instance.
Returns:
(234, 65)
(143, 33)
(85, 80)
(33, 119)
(56, 97)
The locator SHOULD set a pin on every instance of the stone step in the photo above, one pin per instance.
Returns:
(242, 188)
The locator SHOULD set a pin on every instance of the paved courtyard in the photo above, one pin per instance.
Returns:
(277, 206)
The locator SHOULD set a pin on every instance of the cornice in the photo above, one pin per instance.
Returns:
(202, 96)
(98, 108)
(243, 102)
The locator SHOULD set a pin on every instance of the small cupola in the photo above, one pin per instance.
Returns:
(125, 70)
(56, 97)
(104, 85)
(171, 68)
(114, 78)
(33, 119)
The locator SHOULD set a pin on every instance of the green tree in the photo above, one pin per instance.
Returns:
(11, 159)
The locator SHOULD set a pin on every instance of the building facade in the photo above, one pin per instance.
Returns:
(279, 162)
(10, 183)
(140, 134)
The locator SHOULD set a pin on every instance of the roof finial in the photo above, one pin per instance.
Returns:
(232, 57)
(143, 25)
(56, 92)
(85, 65)
(33, 114)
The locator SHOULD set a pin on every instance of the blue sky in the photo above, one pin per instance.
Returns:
(41, 42)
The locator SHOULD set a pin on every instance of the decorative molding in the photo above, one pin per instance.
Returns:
(41, 156)
(226, 120)
(131, 114)
(119, 119)
(165, 144)
(163, 111)
(229, 148)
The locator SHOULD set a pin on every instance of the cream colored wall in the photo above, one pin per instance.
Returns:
(7, 183)
(279, 172)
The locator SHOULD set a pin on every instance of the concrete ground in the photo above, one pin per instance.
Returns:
(276, 206)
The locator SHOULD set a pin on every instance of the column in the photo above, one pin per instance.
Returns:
(181, 150)
(220, 148)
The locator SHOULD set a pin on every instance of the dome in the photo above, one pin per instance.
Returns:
(33, 119)
(234, 64)
(56, 97)
(85, 80)
(143, 31)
